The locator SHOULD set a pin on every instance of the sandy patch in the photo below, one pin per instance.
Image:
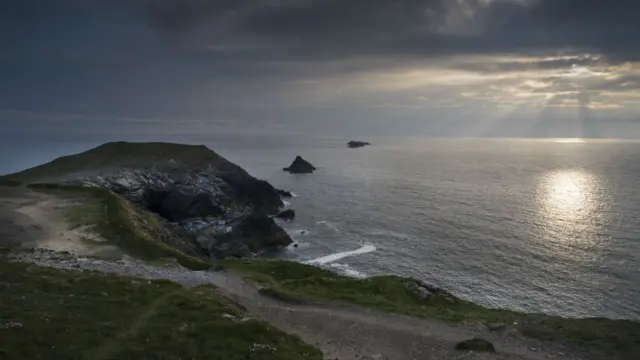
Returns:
(34, 220)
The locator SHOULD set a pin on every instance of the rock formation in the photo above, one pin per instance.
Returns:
(300, 166)
(288, 214)
(357, 144)
(284, 193)
(245, 237)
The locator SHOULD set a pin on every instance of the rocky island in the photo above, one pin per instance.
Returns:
(300, 166)
(357, 144)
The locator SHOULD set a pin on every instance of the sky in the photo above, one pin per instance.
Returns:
(488, 68)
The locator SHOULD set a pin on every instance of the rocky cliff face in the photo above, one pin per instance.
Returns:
(209, 198)
(228, 214)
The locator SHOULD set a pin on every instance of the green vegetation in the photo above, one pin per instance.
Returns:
(475, 344)
(119, 222)
(118, 154)
(296, 282)
(62, 314)
(11, 183)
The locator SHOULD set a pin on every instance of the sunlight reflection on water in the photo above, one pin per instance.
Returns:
(570, 208)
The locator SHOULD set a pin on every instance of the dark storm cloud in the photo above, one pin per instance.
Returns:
(326, 28)
(418, 26)
(148, 57)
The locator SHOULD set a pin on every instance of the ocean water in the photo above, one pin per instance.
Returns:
(534, 225)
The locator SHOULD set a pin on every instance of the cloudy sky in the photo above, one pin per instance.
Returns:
(522, 68)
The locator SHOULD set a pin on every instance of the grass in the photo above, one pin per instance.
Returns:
(118, 154)
(120, 223)
(10, 183)
(296, 282)
(63, 314)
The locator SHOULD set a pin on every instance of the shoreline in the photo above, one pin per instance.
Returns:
(229, 277)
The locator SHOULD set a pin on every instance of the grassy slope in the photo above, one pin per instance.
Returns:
(11, 183)
(59, 314)
(298, 282)
(116, 154)
(119, 222)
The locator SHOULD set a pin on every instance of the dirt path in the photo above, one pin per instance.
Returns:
(345, 333)
(36, 220)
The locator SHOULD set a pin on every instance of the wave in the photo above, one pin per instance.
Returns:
(286, 203)
(367, 248)
(389, 233)
(329, 225)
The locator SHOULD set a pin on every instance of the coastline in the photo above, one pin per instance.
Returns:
(43, 216)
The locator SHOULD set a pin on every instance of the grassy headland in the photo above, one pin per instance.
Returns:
(116, 154)
(296, 282)
(59, 314)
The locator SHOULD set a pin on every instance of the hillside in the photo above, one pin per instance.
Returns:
(210, 201)
(120, 154)
(66, 314)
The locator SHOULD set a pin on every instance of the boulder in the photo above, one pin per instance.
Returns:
(300, 166)
(357, 144)
(288, 214)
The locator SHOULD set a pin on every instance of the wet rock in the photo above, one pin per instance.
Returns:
(288, 215)
(300, 166)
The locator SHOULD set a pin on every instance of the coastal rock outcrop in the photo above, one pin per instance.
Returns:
(284, 193)
(200, 193)
(244, 238)
(357, 144)
(288, 214)
(300, 166)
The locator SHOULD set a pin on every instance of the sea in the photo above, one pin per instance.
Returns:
(536, 225)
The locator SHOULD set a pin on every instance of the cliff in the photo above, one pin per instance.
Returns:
(203, 195)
